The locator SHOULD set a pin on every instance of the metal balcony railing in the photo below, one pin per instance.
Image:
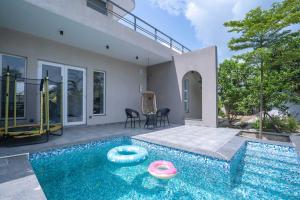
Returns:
(139, 25)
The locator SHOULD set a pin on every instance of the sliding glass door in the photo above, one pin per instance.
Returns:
(75, 90)
(74, 85)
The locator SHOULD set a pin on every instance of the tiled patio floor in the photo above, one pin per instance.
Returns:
(193, 138)
(77, 135)
(203, 140)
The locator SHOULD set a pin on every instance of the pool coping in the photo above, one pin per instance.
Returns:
(19, 180)
(295, 139)
(226, 152)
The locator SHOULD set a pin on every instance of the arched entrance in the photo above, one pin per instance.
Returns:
(192, 95)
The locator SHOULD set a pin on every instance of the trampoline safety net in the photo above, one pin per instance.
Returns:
(29, 107)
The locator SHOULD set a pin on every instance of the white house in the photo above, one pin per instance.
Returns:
(111, 55)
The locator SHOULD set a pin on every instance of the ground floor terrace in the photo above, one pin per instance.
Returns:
(18, 180)
(88, 88)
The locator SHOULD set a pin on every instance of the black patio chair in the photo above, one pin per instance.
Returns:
(162, 115)
(132, 115)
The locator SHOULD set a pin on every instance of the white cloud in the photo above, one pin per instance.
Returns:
(208, 16)
(173, 7)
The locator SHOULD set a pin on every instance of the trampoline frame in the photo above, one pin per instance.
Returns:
(38, 130)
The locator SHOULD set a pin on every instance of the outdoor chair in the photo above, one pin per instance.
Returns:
(162, 115)
(132, 115)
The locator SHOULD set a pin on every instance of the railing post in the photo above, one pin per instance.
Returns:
(164, 39)
(15, 101)
(134, 22)
(47, 117)
(7, 101)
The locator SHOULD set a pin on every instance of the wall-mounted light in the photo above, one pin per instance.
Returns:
(137, 57)
(107, 47)
(61, 32)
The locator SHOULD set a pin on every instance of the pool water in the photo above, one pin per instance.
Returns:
(257, 171)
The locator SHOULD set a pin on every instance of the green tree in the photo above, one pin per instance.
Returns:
(233, 81)
(272, 49)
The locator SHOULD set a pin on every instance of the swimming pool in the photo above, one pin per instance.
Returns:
(257, 171)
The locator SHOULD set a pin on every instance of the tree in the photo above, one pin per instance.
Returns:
(233, 80)
(269, 46)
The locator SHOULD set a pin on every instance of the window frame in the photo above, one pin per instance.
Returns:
(104, 93)
(186, 95)
(25, 76)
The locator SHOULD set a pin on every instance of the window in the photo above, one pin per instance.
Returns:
(99, 93)
(17, 69)
(98, 5)
(186, 83)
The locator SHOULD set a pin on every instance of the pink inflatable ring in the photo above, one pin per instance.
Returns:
(162, 169)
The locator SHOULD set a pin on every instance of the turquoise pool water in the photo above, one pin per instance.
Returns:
(257, 171)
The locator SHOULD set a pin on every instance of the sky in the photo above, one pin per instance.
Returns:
(197, 23)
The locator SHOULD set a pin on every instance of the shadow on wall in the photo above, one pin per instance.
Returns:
(163, 80)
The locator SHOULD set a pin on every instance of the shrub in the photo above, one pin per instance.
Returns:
(291, 124)
(286, 124)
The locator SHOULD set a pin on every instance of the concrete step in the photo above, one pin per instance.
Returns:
(193, 122)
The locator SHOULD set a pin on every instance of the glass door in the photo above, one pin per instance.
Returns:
(74, 86)
(75, 95)
(55, 73)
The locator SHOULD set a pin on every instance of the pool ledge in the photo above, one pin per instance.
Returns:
(225, 152)
(182, 147)
(18, 180)
(295, 139)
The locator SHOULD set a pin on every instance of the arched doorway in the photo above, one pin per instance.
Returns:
(192, 95)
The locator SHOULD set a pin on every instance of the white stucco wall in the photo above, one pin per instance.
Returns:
(166, 80)
(122, 78)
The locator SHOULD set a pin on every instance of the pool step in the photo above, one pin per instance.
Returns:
(265, 163)
(268, 169)
(270, 185)
(269, 156)
(247, 191)
(272, 173)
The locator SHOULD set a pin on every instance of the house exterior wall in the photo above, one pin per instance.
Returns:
(166, 81)
(122, 78)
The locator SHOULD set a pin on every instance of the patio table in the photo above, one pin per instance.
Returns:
(150, 120)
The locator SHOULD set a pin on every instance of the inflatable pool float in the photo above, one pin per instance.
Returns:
(127, 154)
(162, 169)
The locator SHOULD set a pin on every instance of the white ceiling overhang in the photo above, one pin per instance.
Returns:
(125, 44)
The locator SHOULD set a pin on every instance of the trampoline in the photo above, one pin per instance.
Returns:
(42, 101)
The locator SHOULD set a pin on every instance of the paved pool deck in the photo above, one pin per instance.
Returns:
(203, 140)
(18, 181)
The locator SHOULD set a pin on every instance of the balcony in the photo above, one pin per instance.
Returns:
(137, 24)
(127, 36)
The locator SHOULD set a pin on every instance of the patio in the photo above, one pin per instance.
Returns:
(191, 138)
